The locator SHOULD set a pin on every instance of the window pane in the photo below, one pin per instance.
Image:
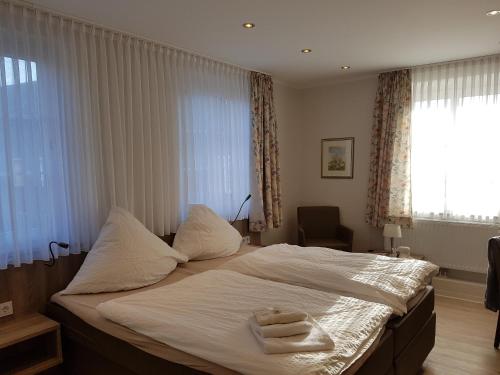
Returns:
(9, 71)
(33, 71)
(22, 71)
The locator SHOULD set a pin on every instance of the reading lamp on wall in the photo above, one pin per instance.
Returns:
(64, 245)
(238, 214)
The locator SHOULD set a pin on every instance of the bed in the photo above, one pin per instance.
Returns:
(369, 277)
(94, 345)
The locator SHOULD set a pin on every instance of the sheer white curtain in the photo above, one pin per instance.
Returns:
(84, 126)
(455, 137)
(213, 109)
(90, 119)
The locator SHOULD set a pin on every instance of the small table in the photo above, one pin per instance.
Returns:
(29, 344)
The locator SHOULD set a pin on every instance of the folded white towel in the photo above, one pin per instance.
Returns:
(274, 315)
(281, 330)
(316, 340)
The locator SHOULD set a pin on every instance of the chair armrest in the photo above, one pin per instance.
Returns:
(345, 234)
(302, 236)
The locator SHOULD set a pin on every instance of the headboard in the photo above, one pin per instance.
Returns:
(31, 285)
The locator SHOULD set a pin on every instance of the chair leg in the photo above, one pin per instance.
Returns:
(497, 335)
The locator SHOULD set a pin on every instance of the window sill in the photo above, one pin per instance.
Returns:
(457, 222)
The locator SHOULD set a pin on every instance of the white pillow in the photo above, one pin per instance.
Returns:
(125, 256)
(205, 235)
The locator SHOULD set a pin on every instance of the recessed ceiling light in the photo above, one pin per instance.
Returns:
(493, 13)
(248, 25)
(306, 50)
(345, 67)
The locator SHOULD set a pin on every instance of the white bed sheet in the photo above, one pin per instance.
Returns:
(207, 315)
(376, 278)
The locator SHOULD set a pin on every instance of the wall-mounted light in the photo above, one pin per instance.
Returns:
(238, 214)
(64, 245)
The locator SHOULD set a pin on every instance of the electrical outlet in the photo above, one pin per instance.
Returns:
(6, 309)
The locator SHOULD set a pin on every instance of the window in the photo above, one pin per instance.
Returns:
(22, 160)
(455, 138)
(19, 78)
(216, 157)
(89, 121)
(18, 71)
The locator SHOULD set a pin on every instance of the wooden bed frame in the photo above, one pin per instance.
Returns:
(401, 351)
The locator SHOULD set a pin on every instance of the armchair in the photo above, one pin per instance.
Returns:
(320, 226)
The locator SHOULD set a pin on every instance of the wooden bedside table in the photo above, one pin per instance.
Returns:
(29, 344)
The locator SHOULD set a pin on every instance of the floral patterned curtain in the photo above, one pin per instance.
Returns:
(265, 212)
(389, 190)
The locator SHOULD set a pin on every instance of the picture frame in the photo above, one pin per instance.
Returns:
(337, 157)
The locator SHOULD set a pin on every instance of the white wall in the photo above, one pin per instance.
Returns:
(289, 105)
(341, 110)
(304, 118)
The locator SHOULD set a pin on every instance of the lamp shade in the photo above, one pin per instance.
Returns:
(392, 230)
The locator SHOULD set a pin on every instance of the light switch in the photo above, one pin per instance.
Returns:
(6, 309)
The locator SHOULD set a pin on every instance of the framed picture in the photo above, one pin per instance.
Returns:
(337, 158)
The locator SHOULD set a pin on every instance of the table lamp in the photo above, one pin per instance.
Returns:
(392, 231)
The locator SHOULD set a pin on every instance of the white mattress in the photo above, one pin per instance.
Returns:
(207, 315)
(392, 281)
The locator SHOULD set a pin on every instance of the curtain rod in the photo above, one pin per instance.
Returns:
(442, 63)
(24, 4)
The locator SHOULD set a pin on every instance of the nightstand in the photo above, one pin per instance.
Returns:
(29, 344)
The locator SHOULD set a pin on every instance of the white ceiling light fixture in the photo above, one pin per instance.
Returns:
(493, 13)
(306, 50)
(345, 67)
(248, 25)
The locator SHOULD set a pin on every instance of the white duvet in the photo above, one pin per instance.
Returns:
(376, 278)
(207, 315)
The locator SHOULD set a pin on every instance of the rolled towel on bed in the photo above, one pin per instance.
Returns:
(275, 315)
(314, 341)
(281, 330)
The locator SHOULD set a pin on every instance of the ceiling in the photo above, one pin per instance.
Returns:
(369, 35)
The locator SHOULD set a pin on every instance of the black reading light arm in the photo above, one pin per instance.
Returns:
(64, 245)
(238, 214)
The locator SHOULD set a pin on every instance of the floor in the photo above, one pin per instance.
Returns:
(464, 340)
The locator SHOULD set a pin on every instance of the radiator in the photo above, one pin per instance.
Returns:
(451, 245)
